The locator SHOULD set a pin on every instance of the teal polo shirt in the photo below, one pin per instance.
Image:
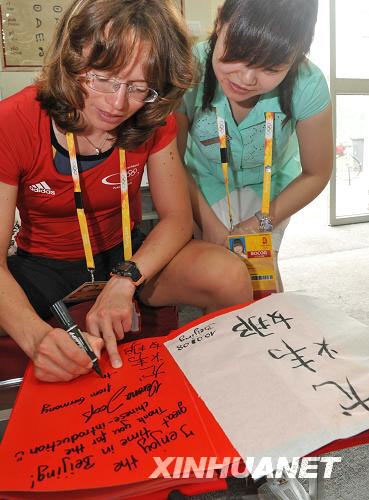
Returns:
(246, 139)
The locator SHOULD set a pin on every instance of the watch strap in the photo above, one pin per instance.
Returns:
(128, 269)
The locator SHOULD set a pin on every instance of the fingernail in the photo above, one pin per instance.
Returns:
(116, 363)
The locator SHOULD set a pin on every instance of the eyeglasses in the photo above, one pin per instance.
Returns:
(137, 90)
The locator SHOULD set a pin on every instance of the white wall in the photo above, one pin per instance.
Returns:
(13, 81)
(200, 15)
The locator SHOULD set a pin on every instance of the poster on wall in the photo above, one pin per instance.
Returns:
(27, 27)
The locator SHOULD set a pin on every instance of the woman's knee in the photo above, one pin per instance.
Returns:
(210, 277)
(227, 279)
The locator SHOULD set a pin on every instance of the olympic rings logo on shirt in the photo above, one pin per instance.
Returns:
(131, 172)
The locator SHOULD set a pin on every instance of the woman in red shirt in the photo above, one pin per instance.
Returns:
(76, 144)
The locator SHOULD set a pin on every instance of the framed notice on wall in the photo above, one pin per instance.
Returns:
(27, 27)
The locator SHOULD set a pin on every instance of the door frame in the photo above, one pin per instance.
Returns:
(340, 86)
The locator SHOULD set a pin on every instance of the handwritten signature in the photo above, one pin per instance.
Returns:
(115, 402)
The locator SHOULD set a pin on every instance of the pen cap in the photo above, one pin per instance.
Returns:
(61, 312)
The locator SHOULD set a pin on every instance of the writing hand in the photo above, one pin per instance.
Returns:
(57, 358)
(111, 315)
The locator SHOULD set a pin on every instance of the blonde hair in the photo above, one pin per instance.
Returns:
(111, 30)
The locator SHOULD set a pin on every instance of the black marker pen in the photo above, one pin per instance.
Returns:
(61, 313)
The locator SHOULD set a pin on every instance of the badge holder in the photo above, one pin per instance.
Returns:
(87, 291)
(257, 254)
(254, 249)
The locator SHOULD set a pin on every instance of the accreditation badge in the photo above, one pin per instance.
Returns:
(256, 251)
(87, 291)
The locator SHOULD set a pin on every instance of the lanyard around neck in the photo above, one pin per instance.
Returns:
(222, 131)
(268, 149)
(268, 157)
(83, 226)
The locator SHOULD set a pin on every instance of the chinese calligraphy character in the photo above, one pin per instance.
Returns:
(293, 352)
(352, 396)
(256, 326)
(324, 349)
(278, 318)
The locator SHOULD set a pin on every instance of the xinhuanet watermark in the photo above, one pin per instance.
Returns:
(206, 467)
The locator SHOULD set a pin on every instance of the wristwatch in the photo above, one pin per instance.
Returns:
(265, 222)
(128, 269)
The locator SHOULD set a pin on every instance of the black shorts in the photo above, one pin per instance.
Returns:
(45, 280)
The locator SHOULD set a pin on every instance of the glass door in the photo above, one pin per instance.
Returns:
(349, 83)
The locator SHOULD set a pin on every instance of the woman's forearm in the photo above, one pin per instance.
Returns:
(299, 193)
(203, 214)
(316, 154)
(163, 242)
(17, 317)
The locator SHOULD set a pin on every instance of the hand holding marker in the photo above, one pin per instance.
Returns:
(61, 313)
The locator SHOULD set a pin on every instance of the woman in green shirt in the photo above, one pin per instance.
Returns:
(255, 62)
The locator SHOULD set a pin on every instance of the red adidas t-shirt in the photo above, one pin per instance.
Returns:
(46, 198)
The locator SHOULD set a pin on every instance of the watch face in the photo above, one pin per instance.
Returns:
(128, 269)
(125, 266)
(267, 226)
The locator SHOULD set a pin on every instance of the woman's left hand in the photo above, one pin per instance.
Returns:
(247, 226)
(111, 315)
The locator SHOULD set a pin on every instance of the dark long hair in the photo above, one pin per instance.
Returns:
(111, 29)
(264, 33)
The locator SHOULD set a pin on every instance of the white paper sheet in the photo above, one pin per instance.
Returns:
(269, 401)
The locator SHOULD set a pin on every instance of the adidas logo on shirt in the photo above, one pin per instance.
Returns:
(42, 187)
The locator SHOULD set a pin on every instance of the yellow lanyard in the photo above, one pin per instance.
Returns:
(126, 222)
(268, 156)
(268, 148)
(224, 159)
